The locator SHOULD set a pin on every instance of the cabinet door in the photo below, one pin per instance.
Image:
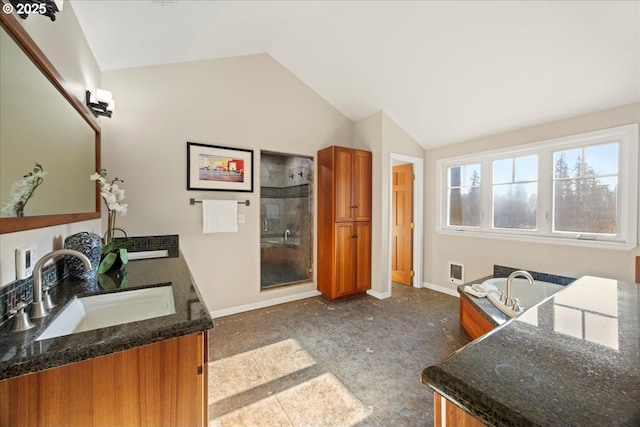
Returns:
(345, 245)
(343, 173)
(362, 185)
(161, 384)
(362, 257)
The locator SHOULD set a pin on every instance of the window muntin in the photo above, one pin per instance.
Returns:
(515, 193)
(599, 169)
(463, 195)
(586, 190)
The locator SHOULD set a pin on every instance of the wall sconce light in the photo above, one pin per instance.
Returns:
(25, 8)
(103, 103)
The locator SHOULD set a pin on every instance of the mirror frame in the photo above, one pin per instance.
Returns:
(27, 44)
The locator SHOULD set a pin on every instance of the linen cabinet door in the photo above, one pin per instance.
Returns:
(345, 260)
(362, 186)
(343, 182)
(362, 257)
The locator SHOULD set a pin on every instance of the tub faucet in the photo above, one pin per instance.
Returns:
(507, 298)
(39, 309)
(286, 234)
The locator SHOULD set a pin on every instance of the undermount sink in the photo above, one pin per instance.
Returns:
(117, 308)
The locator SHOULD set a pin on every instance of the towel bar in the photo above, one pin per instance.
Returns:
(193, 201)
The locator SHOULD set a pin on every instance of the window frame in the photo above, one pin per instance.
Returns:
(627, 210)
(461, 186)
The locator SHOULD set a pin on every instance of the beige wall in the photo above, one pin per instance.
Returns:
(382, 136)
(249, 102)
(64, 44)
(367, 135)
(480, 254)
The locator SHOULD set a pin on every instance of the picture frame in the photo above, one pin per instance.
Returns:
(218, 168)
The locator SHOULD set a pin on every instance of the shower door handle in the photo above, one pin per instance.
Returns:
(265, 225)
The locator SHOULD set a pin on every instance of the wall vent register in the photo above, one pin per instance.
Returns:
(456, 273)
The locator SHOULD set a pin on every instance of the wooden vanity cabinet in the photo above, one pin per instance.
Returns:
(447, 414)
(161, 384)
(344, 221)
(473, 323)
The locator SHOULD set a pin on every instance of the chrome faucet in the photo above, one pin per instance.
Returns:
(508, 301)
(39, 309)
(287, 233)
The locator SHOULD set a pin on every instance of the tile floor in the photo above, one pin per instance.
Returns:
(318, 363)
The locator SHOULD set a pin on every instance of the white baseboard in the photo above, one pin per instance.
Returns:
(443, 289)
(379, 295)
(262, 304)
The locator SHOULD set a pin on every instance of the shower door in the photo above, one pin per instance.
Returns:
(286, 213)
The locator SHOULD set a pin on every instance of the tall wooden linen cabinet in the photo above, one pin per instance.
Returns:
(344, 222)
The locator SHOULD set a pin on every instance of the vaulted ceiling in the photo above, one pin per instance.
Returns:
(445, 71)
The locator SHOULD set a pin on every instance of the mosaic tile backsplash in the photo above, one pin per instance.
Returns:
(502, 271)
(13, 292)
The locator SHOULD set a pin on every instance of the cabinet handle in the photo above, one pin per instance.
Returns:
(355, 236)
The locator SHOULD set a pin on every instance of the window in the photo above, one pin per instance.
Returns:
(577, 190)
(585, 189)
(515, 192)
(464, 195)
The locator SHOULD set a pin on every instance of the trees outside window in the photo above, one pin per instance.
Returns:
(579, 190)
(586, 190)
(515, 193)
(464, 195)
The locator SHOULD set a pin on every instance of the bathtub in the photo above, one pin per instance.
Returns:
(528, 294)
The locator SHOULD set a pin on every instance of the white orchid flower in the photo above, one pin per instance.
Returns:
(111, 192)
(122, 208)
(19, 189)
(23, 189)
(8, 209)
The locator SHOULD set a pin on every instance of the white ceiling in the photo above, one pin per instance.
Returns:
(444, 71)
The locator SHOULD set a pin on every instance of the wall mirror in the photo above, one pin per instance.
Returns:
(43, 122)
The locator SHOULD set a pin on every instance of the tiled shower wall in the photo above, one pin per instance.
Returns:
(285, 195)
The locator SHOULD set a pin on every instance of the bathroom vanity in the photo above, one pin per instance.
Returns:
(146, 372)
(573, 359)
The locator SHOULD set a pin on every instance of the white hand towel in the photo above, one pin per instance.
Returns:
(219, 216)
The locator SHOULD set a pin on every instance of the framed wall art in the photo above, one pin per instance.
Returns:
(216, 168)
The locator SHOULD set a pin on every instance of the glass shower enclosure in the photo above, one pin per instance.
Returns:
(286, 213)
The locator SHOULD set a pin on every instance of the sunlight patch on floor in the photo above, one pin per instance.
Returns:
(321, 400)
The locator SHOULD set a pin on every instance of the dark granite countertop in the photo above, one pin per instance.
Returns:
(572, 360)
(20, 354)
